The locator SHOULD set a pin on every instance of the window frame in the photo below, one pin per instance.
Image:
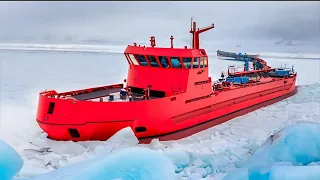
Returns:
(134, 59)
(135, 55)
(157, 58)
(190, 62)
(193, 62)
(206, 62)
(201, 62)
(128, 59)
(169, 62)
(179, 59)
(156, 61)
(145, 56)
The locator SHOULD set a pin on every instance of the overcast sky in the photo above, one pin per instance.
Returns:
(134, 21)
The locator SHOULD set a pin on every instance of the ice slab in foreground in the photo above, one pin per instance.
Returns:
(10, 161)
(130, 163)
(285, 155)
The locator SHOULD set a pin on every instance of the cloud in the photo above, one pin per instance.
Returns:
(298, 23)
(136, 21)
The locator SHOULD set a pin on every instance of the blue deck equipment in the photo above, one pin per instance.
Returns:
(281, 72)
(241, 80)
(246, 64)
(229, 79)
(246, 58)
(235, 55)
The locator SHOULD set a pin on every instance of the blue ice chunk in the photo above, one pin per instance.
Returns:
(194, 165)
(180, 159)
(10, 161)
(248, 174)
(295, 172)
(276, 173)
(130, 163)
(296, 145)
(238, 174)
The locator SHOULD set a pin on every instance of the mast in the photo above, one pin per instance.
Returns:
(195, 34)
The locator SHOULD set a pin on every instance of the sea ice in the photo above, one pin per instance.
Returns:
(288, 151)
(129, 163)
(298, 144)
(295, 173)
(10, 161)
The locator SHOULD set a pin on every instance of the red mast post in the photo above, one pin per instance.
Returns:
(171, 41)
(195, 33)
(153, 41)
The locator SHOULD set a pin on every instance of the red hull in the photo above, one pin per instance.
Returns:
(183, 100)
(91, 124)
(213, 122)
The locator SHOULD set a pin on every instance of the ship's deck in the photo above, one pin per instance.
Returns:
(105, 94)
(136, 97)
(96, 94)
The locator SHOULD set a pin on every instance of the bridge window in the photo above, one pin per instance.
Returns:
(201, 62)
(133, 59)
(153, 61)
(142, 60)
(164, 61)
(205, 61)
(187, 62)
(175, 62)
(196, 62)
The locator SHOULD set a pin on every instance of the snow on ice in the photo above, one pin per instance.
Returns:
(129, 163)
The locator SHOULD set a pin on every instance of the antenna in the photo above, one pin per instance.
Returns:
(191, 42)
(191, 24)
(171, 41)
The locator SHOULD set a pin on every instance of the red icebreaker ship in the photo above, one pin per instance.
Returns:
(168, 95)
